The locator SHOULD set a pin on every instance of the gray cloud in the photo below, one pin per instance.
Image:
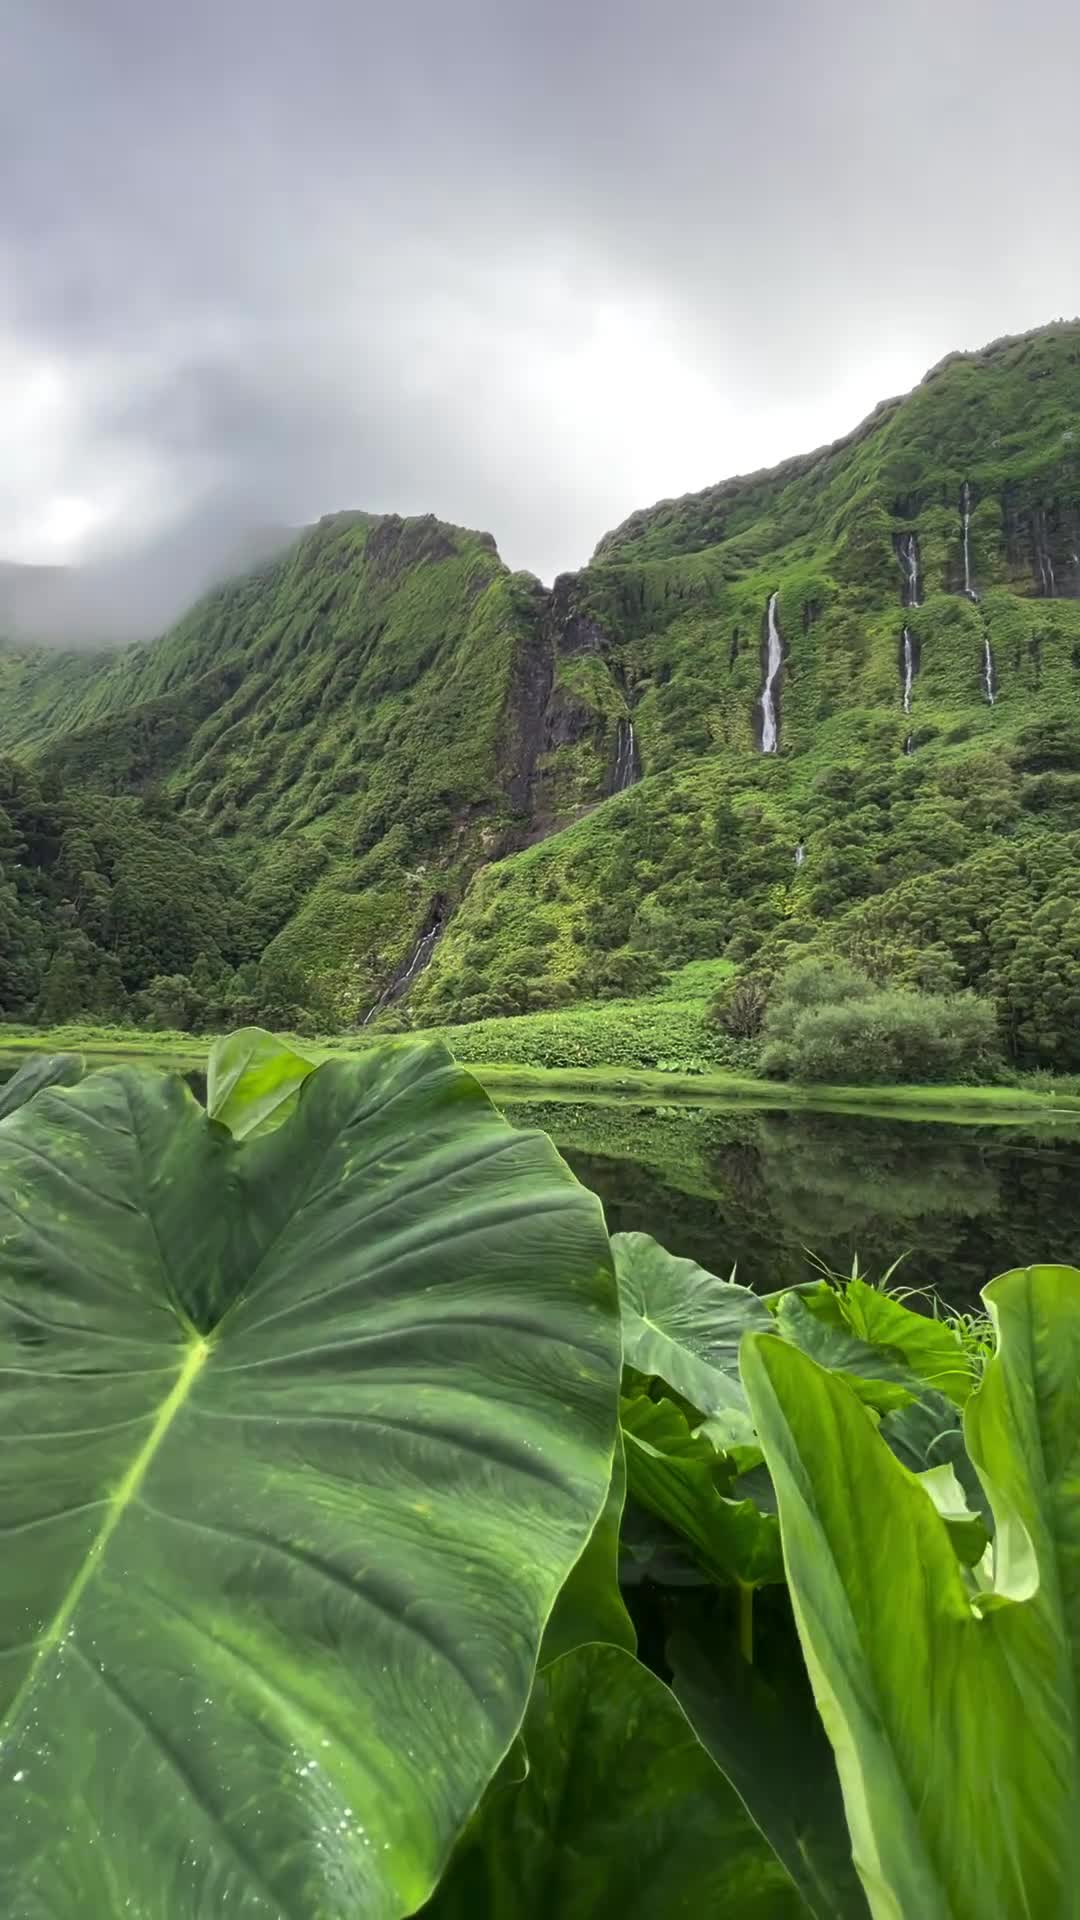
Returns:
(526, 267)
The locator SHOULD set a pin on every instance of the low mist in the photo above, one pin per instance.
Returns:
(133, 593)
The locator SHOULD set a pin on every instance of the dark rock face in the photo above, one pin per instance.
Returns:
(394, 545)
(545, 715)
(530, 695)
(1042, 544)
(574, 631)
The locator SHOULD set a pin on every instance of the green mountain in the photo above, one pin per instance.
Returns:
(389, 774)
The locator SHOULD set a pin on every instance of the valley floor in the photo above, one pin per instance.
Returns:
(513, 1078)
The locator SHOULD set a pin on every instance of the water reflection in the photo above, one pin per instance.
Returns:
(757, 1190)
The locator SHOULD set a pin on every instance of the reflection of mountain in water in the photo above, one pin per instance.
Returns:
(759, 1189)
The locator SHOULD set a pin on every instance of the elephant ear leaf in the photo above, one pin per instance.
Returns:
(761, 1727)
(590, 1606)
(252, 1081)
(684, 1324)
(880, 1596)
(42, 1070)
(622, 1813)
(300, 1438)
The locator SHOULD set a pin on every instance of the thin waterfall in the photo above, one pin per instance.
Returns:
(907, 666)
(965, 508)
(800, 854)
(988, 671)
(907, 548)
(774, 660)
(406, 974)
(627, 762)
(1045, 565)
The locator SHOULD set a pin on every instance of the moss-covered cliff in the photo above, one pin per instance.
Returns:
(439, 785)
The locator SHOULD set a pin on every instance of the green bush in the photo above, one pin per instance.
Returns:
(885, 1037)
(740, 1006)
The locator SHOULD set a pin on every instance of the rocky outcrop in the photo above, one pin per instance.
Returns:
(1042, 545)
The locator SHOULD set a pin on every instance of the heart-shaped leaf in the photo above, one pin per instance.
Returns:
(252, 1080)
(299, 1439)
(622, 1813)
(41, 1070)
(684, 1324)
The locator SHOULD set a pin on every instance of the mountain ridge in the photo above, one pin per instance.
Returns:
(385, 731)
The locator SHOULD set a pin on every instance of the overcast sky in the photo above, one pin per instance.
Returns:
(526, 266)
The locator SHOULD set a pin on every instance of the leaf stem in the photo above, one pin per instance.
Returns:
(746, 1623)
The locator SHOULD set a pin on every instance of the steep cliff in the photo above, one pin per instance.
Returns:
(442, 788)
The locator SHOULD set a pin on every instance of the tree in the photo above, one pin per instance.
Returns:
(65, 989)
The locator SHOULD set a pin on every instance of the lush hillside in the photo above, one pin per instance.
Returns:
(434, 783)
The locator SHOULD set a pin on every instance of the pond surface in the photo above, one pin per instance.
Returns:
(760, 1191)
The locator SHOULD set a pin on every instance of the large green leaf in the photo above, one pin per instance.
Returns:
(682, 1323)
(680, 1477)
(622, 1814)
(299, 1440)
(952, 1708)
(41, 1070)
(761, 1727)
(928, 1346)
(252, 1081)
(880, 1378)
(590, 1606)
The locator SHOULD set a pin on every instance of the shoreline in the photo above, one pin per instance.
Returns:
(1001, 1104)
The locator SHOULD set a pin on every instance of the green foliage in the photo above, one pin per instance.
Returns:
(384, 729)
(999, 1643)
(44, 1070)
(620, 1812)
(683, 1324)
(232, 1629)
(740, 1007)
(252, 1082)
(815, 1495)
(826, 1022)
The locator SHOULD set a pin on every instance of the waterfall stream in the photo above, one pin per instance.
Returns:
(988, 671)
(1043, 561)
(965, 508)
(907, 667)
(627, 763)
(406, 974)
(774, 660)
(800, 854)
(908, 549)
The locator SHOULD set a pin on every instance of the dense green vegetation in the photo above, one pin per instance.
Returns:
(390, 763)
(827, 1021)
(394, 1542)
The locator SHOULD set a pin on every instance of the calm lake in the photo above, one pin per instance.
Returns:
(760, 1191)
(763, 1190)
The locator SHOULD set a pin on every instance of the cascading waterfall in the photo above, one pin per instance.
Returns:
(908, 667)
(965, 508)
(405, 975)
(800, 854)
(988, 671)
(774, 660)
(627, 763)
(1042, 556)
(908, 549)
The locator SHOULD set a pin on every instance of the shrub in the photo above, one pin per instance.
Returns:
(888, 1037)
(739, 1007)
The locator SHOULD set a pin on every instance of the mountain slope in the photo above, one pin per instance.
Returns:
(438, 783)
